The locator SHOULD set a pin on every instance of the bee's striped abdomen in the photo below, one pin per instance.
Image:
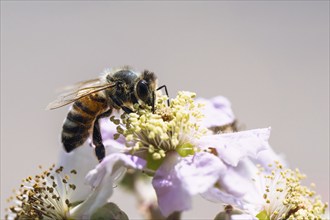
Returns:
(80, 120)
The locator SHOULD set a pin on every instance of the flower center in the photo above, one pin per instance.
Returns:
(43, 196)
(286, 198)
(169, 128)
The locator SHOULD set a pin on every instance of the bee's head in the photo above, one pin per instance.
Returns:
(145, 87)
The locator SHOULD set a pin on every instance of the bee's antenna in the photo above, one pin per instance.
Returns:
(164, 86)
(153, 102)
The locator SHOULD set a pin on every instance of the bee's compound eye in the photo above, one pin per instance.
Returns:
(142, 90)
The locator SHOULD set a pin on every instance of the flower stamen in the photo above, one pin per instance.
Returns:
(40, 196)
(286, 198)
(169, 128)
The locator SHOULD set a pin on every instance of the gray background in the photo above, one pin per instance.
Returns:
(271, 59)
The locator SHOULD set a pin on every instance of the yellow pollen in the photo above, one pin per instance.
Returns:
(298, 201)
(156, 156)
(163, 130)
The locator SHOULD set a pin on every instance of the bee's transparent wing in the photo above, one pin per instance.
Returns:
(78, 91)
(79, 85)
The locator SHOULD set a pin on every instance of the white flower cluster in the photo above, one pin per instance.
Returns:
(187, 148)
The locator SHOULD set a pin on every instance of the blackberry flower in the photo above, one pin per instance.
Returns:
(183, 157)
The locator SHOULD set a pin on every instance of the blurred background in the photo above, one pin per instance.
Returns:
(271, 59)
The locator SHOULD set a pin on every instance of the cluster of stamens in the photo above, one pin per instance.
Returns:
(44, 196)
(168, 128)
(286, 198)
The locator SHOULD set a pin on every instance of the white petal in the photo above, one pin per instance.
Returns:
(96, 199)
(110, 164)
(82, 160)
(101, 179)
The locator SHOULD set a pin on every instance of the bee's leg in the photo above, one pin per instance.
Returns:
(97, 141)
(164, 86)
(97, 137)
(126, 109)
(120, 103)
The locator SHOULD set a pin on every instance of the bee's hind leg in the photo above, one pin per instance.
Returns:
(97, 137)
(97, 141)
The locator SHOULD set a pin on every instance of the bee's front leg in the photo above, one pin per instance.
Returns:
(97, 136)
(168, 98)
(127, 110)
(118, 102)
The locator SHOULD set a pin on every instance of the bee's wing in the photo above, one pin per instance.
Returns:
(79, 85)
(78, 91)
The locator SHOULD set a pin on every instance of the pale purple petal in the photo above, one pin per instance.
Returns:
(268, 156)
(235, 184)
(238, 187)
(217, 195)
(240, 182)
(172, 195)
(108, 129)
(233, 147)
(113, 146)
(200, 172)
(214, 194)
(217, 111)
(177, 179)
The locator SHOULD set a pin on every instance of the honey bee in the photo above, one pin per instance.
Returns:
(119, 88)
